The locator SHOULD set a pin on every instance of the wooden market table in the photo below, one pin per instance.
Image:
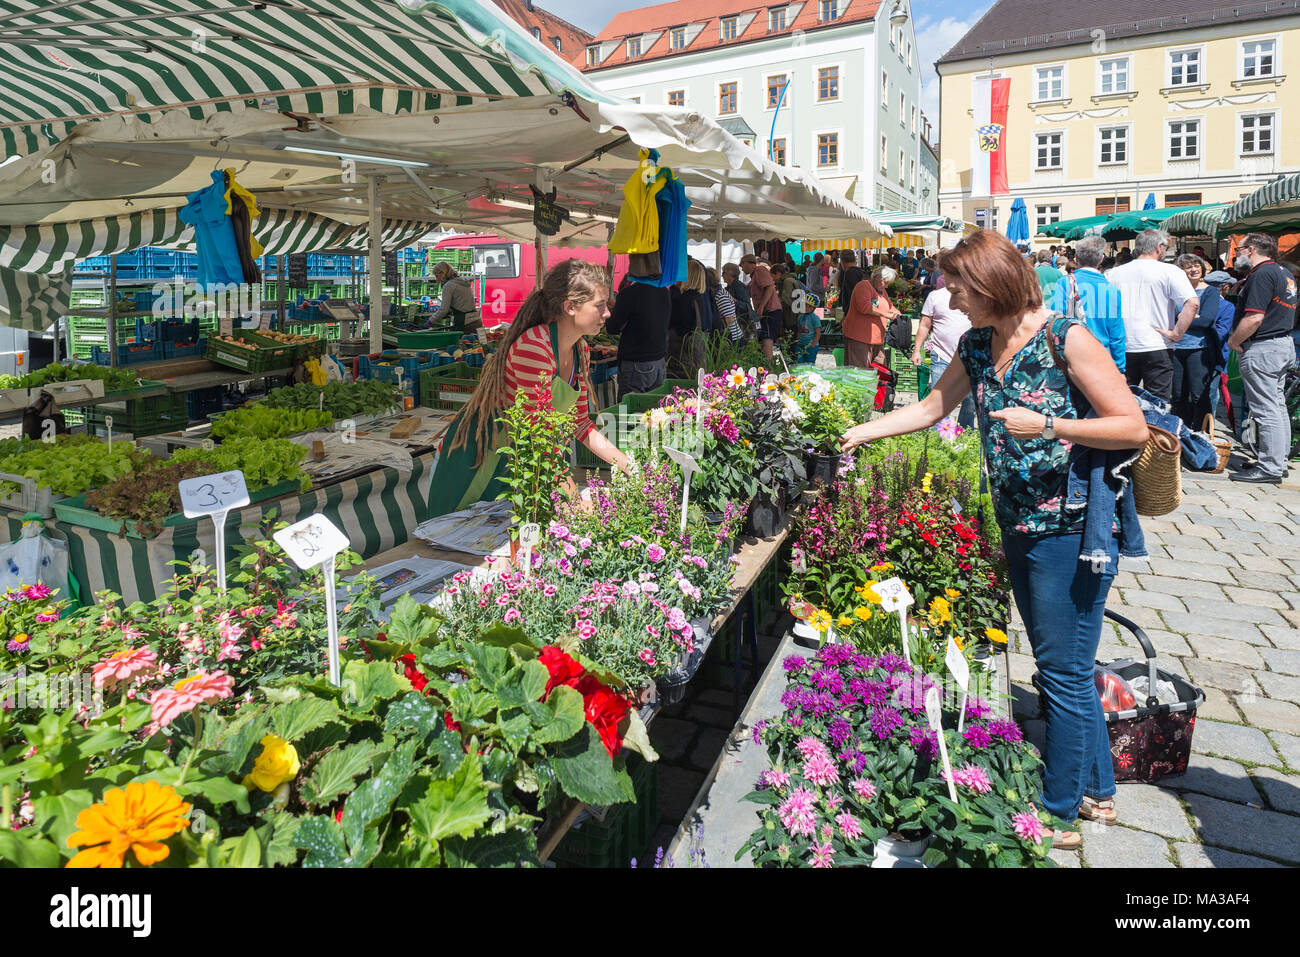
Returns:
(755, 555)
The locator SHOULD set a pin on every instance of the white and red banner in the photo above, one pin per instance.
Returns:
(989, 148)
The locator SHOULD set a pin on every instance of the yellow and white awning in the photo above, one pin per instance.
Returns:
(897, 241)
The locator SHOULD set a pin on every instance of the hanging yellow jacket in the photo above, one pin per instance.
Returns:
(250, 201)
(638, 221)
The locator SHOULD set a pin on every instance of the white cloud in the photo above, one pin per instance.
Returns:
(934, 38)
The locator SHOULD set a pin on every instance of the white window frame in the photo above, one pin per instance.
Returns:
(669, 93)
(1033, 151)
(839, 82)
(1200, 52)
(821, 9)
(627, 49)
(593, 54)
(911, 174)
(558, 44)
(884, 154)
(717, 99)
(1274, 72)
(1169, 138)
(902, 166)
(722, 28)
(1241, 133)
(913, 119)
(769, 108)
(909, 54)
(771, 14)
(1128, 74)
(785, 145)
(673, 34)
(1064, 82)
(884, 88)
(1047, 218)
(839, 149)
(902, 108)
(633, 97)
(1127, 140)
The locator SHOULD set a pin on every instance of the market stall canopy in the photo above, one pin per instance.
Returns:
(1128, 225)
(914, 221)
(1203, 221)
(1072, 229)
(1274, 208)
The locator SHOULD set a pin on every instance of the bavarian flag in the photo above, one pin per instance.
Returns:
(989, 148)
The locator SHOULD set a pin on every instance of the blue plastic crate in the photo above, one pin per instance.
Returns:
(184, 350)
(371, 368)
(128, 355)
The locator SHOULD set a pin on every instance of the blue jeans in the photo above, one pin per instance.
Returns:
(1062, 600)
(966, 411)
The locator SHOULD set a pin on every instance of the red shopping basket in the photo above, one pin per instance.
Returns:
(1154, 739)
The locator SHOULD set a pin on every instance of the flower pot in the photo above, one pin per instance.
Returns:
(896, 851)
(823, 468)
(766, 514)
(670, 689)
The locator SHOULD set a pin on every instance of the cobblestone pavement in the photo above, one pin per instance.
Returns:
(1219, 597)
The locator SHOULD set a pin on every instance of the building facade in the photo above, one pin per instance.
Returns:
(928, 201)
(828, 85)
(1112, 101)
(554, 32)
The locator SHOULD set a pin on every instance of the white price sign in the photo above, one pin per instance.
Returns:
(960, 669)
(315, 541)
(895, 597)
(689, 467)
(212, 494)
(530, 533)
(934, 715)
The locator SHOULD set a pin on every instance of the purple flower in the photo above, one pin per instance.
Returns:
(757, 731)
(18, 647)
(655, 553)
(793, 664)
(924, 741)
(828, 681)
(884, 722)
(976, 709)
(839, 731)
(1008, 731)
(855, 760)
(977, 737)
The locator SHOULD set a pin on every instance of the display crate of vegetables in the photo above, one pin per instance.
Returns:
(35, 475)
(140, 504)
(260, 421)
(241, 350)
(343, 400)
(149, 416)
(304, 347)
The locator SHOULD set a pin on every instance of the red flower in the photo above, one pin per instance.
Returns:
(338, 815)
(452, 724)
(929, 537)
(562, 668)
(418, 681)
(605, 710)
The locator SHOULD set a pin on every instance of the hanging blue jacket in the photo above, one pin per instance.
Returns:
(673, 205)
(214, 234)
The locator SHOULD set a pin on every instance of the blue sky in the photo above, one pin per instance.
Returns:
(938, 26)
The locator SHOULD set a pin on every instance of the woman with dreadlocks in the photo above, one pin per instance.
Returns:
(546, 342)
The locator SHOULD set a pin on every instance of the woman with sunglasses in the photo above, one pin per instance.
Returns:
(1034, 375)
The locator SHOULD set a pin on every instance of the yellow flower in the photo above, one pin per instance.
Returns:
(277, 763)
(952, 593)
(138, 818)
(957, 640)
(925, 482)
(939, 610)
(869, 592)
(845, 621)
(863, 612)
(883, 567)
(821, 620)
(996, 635)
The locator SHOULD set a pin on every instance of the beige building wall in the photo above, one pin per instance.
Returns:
(1226, 103)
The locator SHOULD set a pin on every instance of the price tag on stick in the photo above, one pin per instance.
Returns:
(108, 424)
(315, 541)
(895, 597)
(935, 716)
(960, 669)
(215, 495)
(689, 468)
(530, 533)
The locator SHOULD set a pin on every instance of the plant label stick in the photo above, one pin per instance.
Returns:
(699, 397)
(960, 669)
(315, 541)
(935, 716)
(215, 495)
(895, 597)
(689, 467)
(529, 535)
(108, 424)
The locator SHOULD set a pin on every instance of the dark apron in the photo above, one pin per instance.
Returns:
(457, 483)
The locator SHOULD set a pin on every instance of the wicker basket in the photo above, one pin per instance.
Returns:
(1222, 446)
(1157, 474)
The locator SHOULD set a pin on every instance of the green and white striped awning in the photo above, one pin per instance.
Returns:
(1271, 208)
(1203, 221)
(54, 247)
(64, 64)
(31, 301)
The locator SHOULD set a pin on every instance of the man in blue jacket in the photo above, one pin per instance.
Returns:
(1100, 300)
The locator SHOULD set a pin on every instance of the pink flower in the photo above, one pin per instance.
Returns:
(776, 779)
(586, 631)
(864, 789)
(797, 814)
(255, 644)
(37, 592)
(652, 631)
(44, 617)
(1028, 827)
(974, 777)
(130, 634)
(252, 612)
(556, 530)
(482, 602)
(513, 615)
(170, 703)
(656, 553)
(649, 588)
(647, 656)
(584, 542)
(823, 855)
(285, 616)
(810, 747)
(123, 666)
(503, 600)
(850, 827)
(821, 771)
(229, 650)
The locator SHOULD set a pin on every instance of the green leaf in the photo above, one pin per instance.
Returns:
(374, 797)
(489, 661)
(244, 851)
(586, 772)
(236, 746)
(281, 849)
(411, 622)
(334, 772)
(56, 814)
(19, 849)
(515, 730)
(368, 682)
(453, 807)
(413, 713)
(559, 718)
(323, 840)
(217, 790)
(636, 738)
(524, 683)
(503, 636)
(301, 715)
(510, 849)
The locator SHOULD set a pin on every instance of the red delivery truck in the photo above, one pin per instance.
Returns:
(511, 269)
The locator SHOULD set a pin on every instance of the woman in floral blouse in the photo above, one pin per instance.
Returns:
(1026, 402)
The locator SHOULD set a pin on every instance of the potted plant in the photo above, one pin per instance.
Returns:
(781, 473)
(536, 458)
(823, 426)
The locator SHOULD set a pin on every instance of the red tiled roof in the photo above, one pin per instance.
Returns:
(709, 12)
(528, 15)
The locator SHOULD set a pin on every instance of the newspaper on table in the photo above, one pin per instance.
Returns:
(419, 577)
(481, 529)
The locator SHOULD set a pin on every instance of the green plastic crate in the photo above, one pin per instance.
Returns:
(163, 413)
(461, 258)
(261, 359)
(635, 403)
(430, 339)
(301, 352)
(449, 386)
(626, 831)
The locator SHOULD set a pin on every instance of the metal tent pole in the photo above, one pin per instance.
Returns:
(281, 289)
(717, 240)
(376, 260)
(111, 345)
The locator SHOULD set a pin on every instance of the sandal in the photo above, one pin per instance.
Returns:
(1103, 811)
(1067, 840)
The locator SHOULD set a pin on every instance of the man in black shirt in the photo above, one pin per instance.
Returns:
(850, 275)
(640, 319)
(1261, 335)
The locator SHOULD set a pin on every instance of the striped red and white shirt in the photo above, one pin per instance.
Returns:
(532, 360)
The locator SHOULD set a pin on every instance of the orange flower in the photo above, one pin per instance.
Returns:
(139, 818)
